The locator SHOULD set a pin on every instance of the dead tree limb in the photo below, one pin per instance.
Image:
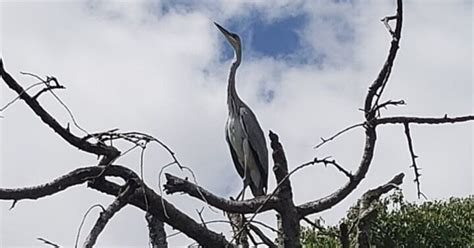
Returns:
(416, 168)
(154, 203)
(175, 184)
(113, 208)
(370, 111)
(109, 153)
(423, 120)
(286, 207)
(160, 211)
(156, 230)
(368, 211)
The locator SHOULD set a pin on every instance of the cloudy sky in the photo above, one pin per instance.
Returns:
(161, 67)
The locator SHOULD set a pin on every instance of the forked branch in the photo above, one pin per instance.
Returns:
(119, 203)
(370, 110)
(109, 152)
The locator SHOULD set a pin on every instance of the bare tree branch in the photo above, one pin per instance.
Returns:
(18, 96)
(374, 194)
(159, 211)
(286, 207)
(389, 103)
(326, 161)
(326, 140)
(267, 241)
(113, 208)
(176, 218)
(423, 120)
(370, 109)
(367, 210)
(156, 232)
(415, 167)
(83, 219)
(175, 184)
(49, 86)
(109, 153)
(377, 88)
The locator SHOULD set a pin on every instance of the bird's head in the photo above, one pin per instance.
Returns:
(233, 39)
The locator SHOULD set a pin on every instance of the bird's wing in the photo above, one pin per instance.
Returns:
(256, 140)
(238, 166)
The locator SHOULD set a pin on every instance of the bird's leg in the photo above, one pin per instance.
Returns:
(245, 183)
(246, 177)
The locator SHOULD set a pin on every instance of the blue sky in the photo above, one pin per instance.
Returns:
(278, 39)
(162, 67)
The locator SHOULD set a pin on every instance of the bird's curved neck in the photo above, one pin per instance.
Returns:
(232, 97)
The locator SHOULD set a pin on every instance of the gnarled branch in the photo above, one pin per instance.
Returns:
(109, 152)
(113, 208)
(370, 109)
(175, 184)
(154, 203)
(367, 211)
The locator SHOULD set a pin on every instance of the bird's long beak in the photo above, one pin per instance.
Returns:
(222, 29)
(226, 33)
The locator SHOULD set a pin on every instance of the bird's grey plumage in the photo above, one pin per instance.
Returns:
(243, 132)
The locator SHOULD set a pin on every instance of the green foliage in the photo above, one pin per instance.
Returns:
(430, 224)
(321, 237)
(400, 223)
(312, 238)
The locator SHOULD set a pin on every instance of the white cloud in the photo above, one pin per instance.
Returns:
(159, 72)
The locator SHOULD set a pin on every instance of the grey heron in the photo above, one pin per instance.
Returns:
(243, 132)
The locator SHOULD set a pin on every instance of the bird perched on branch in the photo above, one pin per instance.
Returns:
(243, 132)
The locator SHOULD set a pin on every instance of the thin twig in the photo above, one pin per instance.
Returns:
(416, 169)
(254, 242)
(138, 138)
(13, 204)
(107, 151)
(199, 212)
(324, 161)
(83, 219)
(321, 229)
(387, 25)
(267, 241)
(18, 96)
(324, 141)
(48, 242)
(47, 88)
(59, 100)
(161, 189)
(388, 103)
